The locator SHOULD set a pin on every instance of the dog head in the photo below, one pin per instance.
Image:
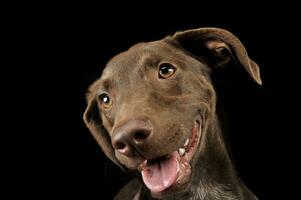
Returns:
(152, 106)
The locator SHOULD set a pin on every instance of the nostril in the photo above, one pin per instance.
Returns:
(120, 146)
(140, 136)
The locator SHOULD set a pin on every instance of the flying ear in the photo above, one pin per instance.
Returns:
(222, 45)
(93, 120)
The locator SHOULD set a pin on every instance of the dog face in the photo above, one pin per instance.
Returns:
(152, 105)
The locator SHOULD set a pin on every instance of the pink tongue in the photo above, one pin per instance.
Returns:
(162, 174)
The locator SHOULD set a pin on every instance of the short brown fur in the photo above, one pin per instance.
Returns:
(170, 107)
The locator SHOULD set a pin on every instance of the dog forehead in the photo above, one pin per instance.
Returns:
(138, 55)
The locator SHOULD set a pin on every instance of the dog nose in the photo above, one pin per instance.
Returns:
(131, 136)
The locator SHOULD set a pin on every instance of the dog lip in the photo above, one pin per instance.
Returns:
(193, 140)
(142, 166)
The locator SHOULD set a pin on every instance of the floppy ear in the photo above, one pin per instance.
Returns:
(222, 45)
(93, 120)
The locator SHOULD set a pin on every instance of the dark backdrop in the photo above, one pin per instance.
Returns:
(263, 120)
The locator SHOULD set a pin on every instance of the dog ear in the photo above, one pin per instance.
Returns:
(93, 120)
(221, 45)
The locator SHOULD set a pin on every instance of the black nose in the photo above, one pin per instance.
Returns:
(131, 136)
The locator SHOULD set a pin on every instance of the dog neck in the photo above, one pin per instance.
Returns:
(215, 177)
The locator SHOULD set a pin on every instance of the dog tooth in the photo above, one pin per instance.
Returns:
(185, 164)
(186, 142)
(181, 151)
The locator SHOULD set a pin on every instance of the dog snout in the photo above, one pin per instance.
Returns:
(128, 138)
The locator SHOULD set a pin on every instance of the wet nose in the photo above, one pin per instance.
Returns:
(131, 136)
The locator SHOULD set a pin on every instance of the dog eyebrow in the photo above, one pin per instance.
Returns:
(148, 60)
(105, 85)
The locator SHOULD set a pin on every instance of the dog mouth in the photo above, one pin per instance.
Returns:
(171, 171)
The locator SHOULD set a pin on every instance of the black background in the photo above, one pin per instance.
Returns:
(263, 120)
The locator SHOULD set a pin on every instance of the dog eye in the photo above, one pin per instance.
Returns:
(106, 102)
(166, 70)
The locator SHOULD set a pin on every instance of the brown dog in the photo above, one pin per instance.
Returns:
(153, 113)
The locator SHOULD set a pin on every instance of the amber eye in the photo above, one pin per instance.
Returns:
(106, 102)
(166, 70)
